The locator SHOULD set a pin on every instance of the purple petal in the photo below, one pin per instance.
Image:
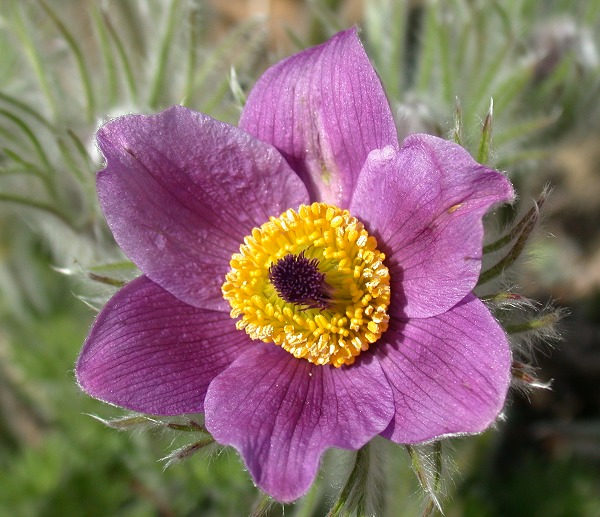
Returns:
(324, 109)
(180, 192)
(450, 373)
(281, 413)
(150, 352)
(425, 205)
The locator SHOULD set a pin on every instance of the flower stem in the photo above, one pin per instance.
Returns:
(353, 494)
(429, 475)
(546, 320)
(262, 507)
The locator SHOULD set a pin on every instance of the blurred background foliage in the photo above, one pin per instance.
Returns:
(68, 65)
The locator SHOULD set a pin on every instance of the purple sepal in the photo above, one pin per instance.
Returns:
(150, 352)
(325, 110)
(281, 413)
(181, 190)
(425, 205)
(449, 373)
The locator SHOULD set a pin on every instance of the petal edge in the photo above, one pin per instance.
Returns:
(149, 352)
(325, 110)
(425, 205)
(449, 373)
(181, 190)
(281, 413)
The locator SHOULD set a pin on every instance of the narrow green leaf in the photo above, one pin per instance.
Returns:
(38, 205)
(190, 427)
(146, 422)
(457, 130)
(592, 14)
(426, 58)
(81, 171)
(79, 59)
(447, 68)
(486, 76)
(80, 148)
(93, 302)
(128, 422)
(17, 158)
(112, 81)
(225, 52)
(543, 321)
(219, 93)
(507, 24)
(29, 133)
(510, 159)
(103, 279)
(130, 13)
(557, 78)
(385, 40)
(328, 18)
(13, 101)
(32, 169)
(235, 43)
(123, 265)
(483, 153)
(481, 39)
(236, 89)
(437, 465)
(127, 68)
(186, 451)
(309, 504)
(163, 56)
(528, 218)
(295, 38)
(396, 34)
(71, 162)
(512, 255)
(463, 48)
(192, 58)
(35, 58)
(502, 298)
(10, 171)
(10, 136)
(514, 85)
(525, 129)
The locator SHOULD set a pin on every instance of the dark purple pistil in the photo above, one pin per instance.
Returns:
(297, 279)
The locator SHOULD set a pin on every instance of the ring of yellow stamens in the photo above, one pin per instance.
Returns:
(359, 282)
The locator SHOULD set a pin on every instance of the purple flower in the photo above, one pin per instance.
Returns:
(307, 280)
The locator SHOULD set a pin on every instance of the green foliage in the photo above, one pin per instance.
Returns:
(536, 60)
(533, 488)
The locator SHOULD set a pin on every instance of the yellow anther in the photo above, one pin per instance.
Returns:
(357, 282)
(337, 221)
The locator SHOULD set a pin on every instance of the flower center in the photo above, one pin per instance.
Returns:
(312, 282)
(298, 280)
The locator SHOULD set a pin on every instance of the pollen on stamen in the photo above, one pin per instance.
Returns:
(313, 282)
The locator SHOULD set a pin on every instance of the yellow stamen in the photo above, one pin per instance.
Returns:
(358, 281)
